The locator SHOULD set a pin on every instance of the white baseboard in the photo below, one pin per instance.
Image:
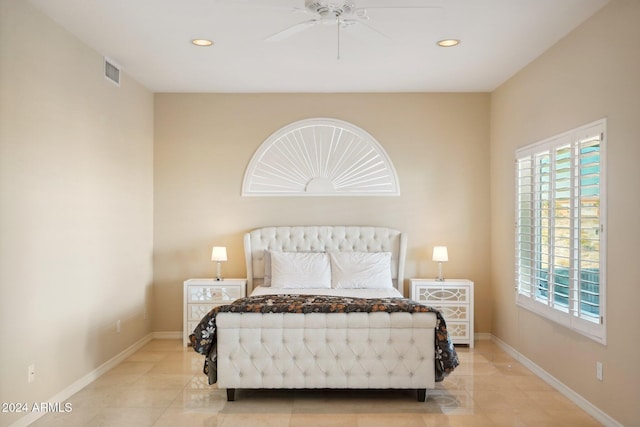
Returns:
(78, 385)
(583, 403)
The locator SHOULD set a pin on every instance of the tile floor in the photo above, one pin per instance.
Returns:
(162, 385)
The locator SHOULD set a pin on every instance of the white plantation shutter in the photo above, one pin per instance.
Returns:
(560, 240)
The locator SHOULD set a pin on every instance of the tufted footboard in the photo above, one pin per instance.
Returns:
(326, 350)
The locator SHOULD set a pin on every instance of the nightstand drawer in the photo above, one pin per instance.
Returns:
(213, 294)
(198, 311)
(458, 331)
(453, 312)
(455, 294)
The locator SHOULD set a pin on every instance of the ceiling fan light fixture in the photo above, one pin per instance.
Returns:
(448, 42)
(202, 42)
(329, 20)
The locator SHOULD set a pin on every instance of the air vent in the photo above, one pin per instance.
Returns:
(111, 72)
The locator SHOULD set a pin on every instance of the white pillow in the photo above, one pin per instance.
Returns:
(362, 270)
(300, 270)
(266, 280)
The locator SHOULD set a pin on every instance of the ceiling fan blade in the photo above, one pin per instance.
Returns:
(390, 4)
(398, 7)
(362, 11)
(365, 31)
(281, 4)
(294, 29)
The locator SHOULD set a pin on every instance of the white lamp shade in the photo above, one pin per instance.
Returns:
(440, 254)
(219, 253)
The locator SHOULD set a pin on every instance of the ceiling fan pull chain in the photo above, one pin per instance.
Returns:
(339, 25)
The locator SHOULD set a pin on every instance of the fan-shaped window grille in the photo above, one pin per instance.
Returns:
(320, 157)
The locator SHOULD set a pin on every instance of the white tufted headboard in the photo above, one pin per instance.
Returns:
(323, 238)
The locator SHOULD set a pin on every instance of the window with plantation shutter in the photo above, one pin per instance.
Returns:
(560, 229)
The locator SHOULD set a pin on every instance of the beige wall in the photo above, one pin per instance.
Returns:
(203, 144)
(76, 191)
(593, 73)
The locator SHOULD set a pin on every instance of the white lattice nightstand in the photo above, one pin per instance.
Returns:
(201, 295)
(454, 298)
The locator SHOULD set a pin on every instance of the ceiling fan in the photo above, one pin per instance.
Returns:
(342, 14)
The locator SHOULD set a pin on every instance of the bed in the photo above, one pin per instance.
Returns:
(326, 310)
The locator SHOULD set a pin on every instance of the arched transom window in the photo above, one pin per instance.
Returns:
(320, 157)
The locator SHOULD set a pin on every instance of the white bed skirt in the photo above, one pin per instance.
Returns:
(317, 350)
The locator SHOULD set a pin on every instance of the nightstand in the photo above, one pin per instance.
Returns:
(454, 298)
(201, 295)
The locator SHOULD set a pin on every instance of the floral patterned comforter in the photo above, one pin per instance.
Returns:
(203, 338)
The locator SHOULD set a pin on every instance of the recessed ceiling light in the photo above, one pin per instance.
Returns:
(202, 42)
(448, 43)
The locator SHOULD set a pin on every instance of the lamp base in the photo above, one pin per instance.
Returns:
(219, 273)
(440, 278)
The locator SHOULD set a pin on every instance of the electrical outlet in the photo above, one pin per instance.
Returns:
(118, 326)
(599, 370)
(31, 373)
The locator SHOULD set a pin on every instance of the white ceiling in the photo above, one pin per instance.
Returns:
(150, 40)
